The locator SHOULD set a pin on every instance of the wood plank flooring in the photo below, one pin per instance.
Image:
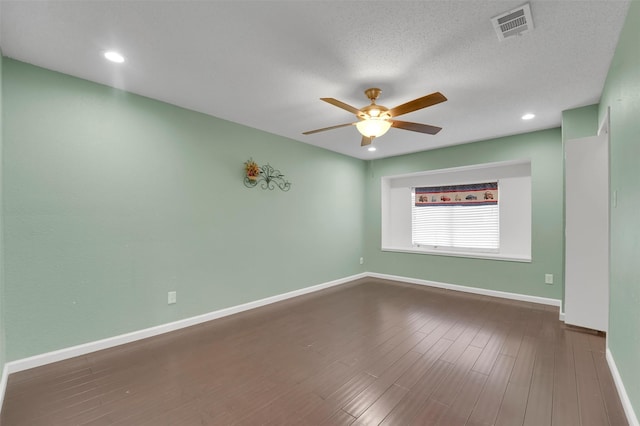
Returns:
(367, 353)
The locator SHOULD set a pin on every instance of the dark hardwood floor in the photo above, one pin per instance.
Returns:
(367, 353)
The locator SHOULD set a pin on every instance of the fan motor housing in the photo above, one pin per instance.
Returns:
(374, 111)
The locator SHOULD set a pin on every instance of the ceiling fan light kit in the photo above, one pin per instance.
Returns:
(375, 120)
(373, 127)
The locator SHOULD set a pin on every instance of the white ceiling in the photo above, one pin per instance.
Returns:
(265, 64)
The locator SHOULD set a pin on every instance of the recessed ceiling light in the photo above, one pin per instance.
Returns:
(114, 56)
(371, 148)
(528, 116)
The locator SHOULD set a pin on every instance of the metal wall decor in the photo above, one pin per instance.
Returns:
(266, 176)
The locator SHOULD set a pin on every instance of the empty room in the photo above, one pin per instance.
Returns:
(319, 212)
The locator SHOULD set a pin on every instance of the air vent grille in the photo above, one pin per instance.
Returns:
(514, 22)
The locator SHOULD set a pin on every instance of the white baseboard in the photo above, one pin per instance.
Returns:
(624, 398)
(3, 384)
(474, 290)
(62, 354)
(83, 349)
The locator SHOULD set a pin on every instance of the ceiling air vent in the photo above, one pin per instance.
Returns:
(514, 22)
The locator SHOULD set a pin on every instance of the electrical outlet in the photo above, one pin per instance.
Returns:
(548, 278)
(362, 260)
(171, 298)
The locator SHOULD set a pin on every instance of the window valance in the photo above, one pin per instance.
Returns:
(476, 194)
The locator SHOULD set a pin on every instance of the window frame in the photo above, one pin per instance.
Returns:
(514, 176)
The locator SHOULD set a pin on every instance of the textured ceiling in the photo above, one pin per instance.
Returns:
(265, 64)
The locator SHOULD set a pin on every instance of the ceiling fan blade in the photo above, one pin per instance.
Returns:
(310, 132)
(415, 127)
(366, 141)
(342, 105)
(416, 104)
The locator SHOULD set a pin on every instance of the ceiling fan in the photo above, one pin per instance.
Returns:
(375, 120)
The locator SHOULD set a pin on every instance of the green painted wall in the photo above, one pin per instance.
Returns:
(580, 122)
(544, 148)
(622, 94)
(112, 200)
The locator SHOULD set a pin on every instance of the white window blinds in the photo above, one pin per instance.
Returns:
(456, 217)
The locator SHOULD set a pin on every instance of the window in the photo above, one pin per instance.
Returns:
(489, 229)
(456, 217)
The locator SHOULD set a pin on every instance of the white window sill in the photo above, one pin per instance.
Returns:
(473, 255)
